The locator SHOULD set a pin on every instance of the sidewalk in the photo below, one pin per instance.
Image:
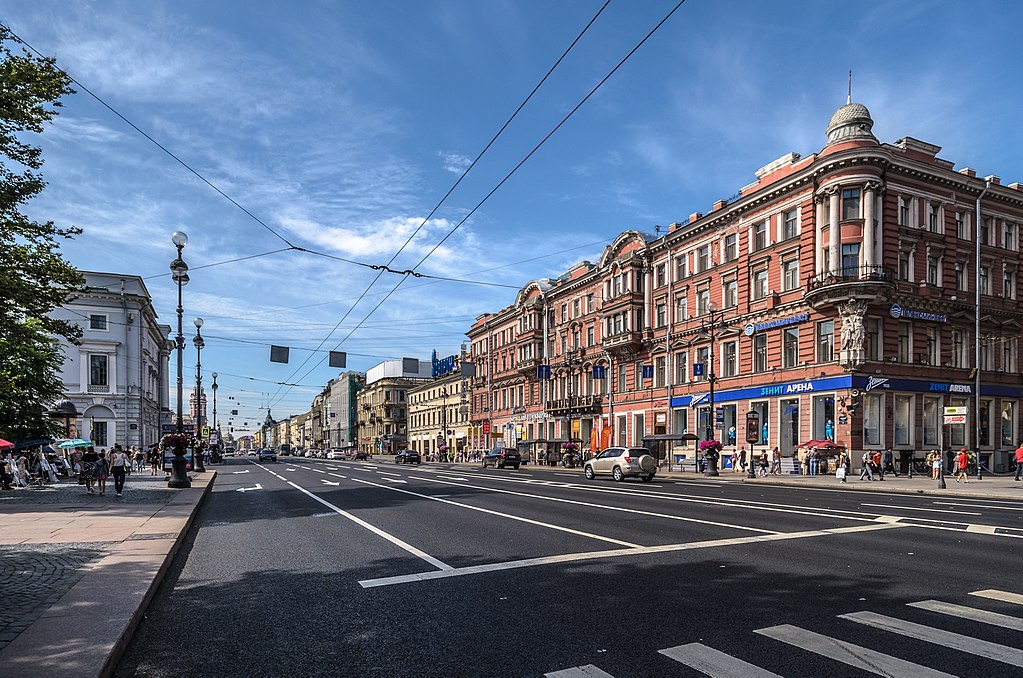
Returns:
(77, 571)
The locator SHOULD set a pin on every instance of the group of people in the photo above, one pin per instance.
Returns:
(878, 463)
(92, 467)
(768, 464)
(31, 466)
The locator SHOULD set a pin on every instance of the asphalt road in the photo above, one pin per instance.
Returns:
(309, 567)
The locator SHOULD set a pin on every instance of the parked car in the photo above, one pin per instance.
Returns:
(623, 462)
(310, 454)
(408, 457)
(361, 456)
(267, 455)
(502, 457)
(336, 453)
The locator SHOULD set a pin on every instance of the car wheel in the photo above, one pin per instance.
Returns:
(617, 473)
(516, 467)
(484, 462)
(588, 472)
(647, 479)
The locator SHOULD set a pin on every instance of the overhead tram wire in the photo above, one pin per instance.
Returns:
(514, 169)
(449, 192)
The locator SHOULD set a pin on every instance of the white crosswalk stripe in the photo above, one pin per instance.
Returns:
(973, 614)
(588, 671)
(1003, 596)
(714, 663)
(955, 641)
(863, 658)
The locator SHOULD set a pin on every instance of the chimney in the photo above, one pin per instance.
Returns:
(718, 205)
(674, 227)
(1016, 186)
(695, 216)
(967, 171)
(996, 180)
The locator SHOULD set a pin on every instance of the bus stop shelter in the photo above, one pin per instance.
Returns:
(663, 447)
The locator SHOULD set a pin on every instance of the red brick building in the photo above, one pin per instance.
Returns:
(836, 293)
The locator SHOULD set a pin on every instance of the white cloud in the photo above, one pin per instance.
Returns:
(456, 163)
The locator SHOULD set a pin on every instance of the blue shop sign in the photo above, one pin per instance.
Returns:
(773, 390)
(900, 312)
(751, 328)
(442, 366)
(918, 386)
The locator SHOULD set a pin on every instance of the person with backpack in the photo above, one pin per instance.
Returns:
(866, 466)
(119, 464)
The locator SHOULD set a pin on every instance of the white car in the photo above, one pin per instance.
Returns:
(337, 454)
(621, 463)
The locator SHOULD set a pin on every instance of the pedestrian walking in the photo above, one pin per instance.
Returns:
(154, 460)
(888, 462)
(763, 464)
(101, 471)
(735, 461)
(962, 465)
(776, 462)
(87, 466)
(119, 465)
(866, 467)
(1019, 462)
(842, 469)
(140, 459)
(875, 462)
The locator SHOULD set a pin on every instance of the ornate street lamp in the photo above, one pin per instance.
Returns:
(709, 327)
(215, 426)
(179, 272)
(199, 344)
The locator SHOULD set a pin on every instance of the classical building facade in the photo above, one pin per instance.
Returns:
(383, 404)
(438, 410)
(116, 376)
(853, 295)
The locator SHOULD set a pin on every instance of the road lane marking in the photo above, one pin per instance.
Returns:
(714, 663)
(249, 489)
(237, 472)
(616, 553)
(923, 508)
(949, 639)
(863, 658)
(385, 473)
(1003, 596)
(587, 671)
(996, 507)
(973, 614)
(504, 515)
(338, 475)
(317, 470)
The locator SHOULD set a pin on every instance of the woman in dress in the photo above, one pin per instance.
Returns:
(101, 472)
(88, 468)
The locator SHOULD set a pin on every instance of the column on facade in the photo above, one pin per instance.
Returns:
(834, 233)
(818, 235)
(869, 249)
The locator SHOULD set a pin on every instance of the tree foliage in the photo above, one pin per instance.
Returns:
(34, 276)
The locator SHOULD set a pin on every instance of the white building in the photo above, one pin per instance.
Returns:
(117, 375)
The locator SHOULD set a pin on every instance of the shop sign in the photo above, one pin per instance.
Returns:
(949, 411)
(442, 366)
(875, 382)
(752, 328)
(899, 312)
(785, 389)
(955, 418)
(951, 388)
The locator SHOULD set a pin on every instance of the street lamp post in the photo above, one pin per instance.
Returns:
(215, 426)
(709, 327)
(179, 272)
(199, 344)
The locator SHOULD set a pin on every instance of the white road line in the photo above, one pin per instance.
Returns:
(385, 473)
(588, 671)
(317, 470)
(863, 658)
(952, 640)
(1003, 596)
(923, 508)
(973, 614)
(617, 553)
(984, 506)
(505, 515)
(338, 475)
(714, 663)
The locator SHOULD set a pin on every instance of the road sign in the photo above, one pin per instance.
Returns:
(955, 418)
(954, 410)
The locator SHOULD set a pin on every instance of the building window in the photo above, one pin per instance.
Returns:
(960, 226)
(98, 370)
(703, 358)
(850, 204)
(702, 301)
(826, 341)
(662, 314)
(985, 230)
(933, 356)
(97, 322)
(790, 226)
(760, 352)
(1009, 236)
(99, 433)
(872, 330)
(589, 336)
(682, 267)
(576, 308)
(905, 346)
(932, 271)
(790, 346)
(759, 236)
(790, 274)
(932, 410)
(960, 277)
(760, 283)
(728, 293)
(985, 280)
(660, 371)
(1008, 424)
(903, 417)
(933, 211)
(703, 259)
(589, 303)
(564, 319)
(958, 348)
(985, 422)
(985, 353)
(681, 309)
(905, 269)
(1009, 353)
(731, 247)
(903, 212)
(731, 358)
(1009, 284)
(850, 260)
(872, 419)
(681, 368)
(623, 385)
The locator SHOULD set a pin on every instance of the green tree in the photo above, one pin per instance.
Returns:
(34, 277)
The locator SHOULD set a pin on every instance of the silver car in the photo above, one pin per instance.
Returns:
(622, 462)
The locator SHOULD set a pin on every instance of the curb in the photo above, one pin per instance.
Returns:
(70, 639)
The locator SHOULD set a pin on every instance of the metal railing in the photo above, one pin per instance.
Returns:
(871, 273)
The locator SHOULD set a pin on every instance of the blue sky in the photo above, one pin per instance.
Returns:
(341, 124)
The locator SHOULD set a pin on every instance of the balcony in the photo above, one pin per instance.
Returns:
(576, 405)
(528, 366)
(868, 283)
(629, 340)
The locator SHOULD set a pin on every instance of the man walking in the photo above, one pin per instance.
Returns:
(866, 467)
(962, 464)
(888, 462)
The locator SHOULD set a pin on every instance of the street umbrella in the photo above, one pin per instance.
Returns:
(820, 445)
(76, 442)
(6, 445)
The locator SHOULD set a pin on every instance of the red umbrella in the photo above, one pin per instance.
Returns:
(5, 445)
(820, 445)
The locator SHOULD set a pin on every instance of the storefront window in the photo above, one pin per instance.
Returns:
(985, 422)
(680, 420)
(957, 432)
(903, 420)
(824, 417)
(765, 428)
(932, 409)
(872, 419)
(703, 423)
(789, 429)
(1008, 420)
(729, 428)
(638, 429)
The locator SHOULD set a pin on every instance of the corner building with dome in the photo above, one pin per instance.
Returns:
(835, 297)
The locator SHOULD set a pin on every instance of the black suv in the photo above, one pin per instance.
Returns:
(502, 457)
(408, 457)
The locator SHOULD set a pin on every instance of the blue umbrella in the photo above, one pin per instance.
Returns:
(76, 442)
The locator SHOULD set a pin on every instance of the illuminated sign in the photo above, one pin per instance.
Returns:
(751, 328)
(442, 366)
(899, 312)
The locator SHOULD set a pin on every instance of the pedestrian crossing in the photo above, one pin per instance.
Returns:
(713, 662)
